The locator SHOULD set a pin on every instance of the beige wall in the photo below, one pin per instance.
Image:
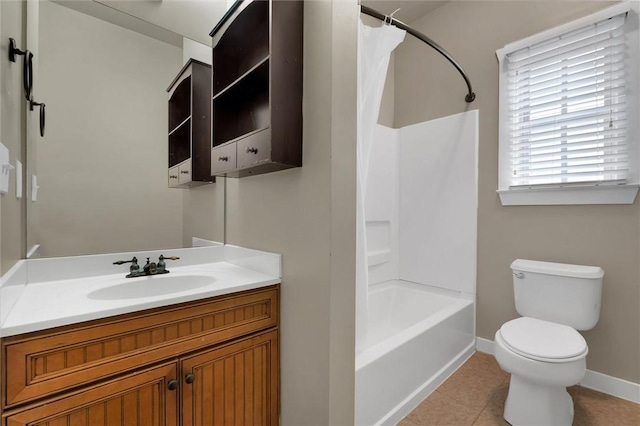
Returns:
(308, 215)
(12, 134)
(427, 87)
(203, 213)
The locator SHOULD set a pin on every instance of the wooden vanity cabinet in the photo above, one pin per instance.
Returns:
(256, 89)
(140, 398)
(190, 126)
(209, 362)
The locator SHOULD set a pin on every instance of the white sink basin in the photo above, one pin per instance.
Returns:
(156, 285)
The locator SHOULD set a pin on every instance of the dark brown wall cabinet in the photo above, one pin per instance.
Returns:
(256, 91)
(190, 126)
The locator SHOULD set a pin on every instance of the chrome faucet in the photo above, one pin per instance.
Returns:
(150, 268)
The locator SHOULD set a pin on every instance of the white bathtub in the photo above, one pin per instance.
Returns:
(417, 336)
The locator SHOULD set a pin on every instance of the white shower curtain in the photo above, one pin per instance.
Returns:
(374, 50)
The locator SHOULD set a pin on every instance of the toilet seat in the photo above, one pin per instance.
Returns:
(543, 340)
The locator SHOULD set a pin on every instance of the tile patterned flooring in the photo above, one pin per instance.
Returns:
(475, 395)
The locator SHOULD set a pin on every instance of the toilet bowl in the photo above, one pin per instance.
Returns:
(544, 359)
(543, 350)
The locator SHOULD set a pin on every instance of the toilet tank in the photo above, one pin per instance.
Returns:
(558, 292)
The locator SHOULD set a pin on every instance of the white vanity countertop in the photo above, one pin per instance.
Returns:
(48, 304)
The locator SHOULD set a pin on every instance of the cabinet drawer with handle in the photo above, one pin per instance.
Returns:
(254, 149)
(223, 158)
(174, 176)
(184, 174)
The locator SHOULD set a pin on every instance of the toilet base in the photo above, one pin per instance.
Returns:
(532, 404)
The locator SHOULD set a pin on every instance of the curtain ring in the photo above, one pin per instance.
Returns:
(391, 18)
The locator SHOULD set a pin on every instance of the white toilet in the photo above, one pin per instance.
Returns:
(542, 350)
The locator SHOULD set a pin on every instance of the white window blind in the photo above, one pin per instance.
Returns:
(567, 109)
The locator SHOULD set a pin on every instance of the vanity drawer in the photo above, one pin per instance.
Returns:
(223, 158)
(47, 362)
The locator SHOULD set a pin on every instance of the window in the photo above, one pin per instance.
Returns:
(569, 113)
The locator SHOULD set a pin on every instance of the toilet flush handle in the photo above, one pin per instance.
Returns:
(519, 275)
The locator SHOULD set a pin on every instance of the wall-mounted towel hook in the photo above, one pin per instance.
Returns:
(27, 68)
(13, 50)
(32, 104)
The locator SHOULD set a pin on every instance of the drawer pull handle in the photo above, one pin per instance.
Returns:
(173, 177)
(190, 378)
(184, 172)
(252, 150)
(172, 385)
(225, 158)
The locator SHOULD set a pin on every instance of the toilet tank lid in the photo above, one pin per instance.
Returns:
(561, 269)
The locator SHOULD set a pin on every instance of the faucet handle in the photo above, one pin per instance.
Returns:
(169, 258)
(162, 265)
(120, 262)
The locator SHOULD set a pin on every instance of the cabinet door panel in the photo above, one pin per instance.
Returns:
(138, 399)
(234, 385)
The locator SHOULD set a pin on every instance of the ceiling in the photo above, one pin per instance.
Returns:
(410, 10)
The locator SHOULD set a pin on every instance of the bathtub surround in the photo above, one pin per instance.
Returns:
(375, 47)
(420, 209)
(603, 235)
(421, 203)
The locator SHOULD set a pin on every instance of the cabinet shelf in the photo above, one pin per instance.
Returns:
(179, 103)
(243, 44)
(180, 143)
(241, 78)
(243, 108)
(186, 120)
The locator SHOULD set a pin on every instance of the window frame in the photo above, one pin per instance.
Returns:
(588, 193)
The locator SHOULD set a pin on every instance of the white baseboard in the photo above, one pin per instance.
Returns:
(484, 345)
(592, 379)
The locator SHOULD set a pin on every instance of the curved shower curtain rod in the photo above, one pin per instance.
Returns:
(391, 20)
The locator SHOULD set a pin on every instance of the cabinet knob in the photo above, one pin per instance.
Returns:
(189, 378)
(172, 385)
(173, 177)
(225, 158)
(184, 172)
(252, 150)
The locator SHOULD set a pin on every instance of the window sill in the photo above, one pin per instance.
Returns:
(619, 194)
